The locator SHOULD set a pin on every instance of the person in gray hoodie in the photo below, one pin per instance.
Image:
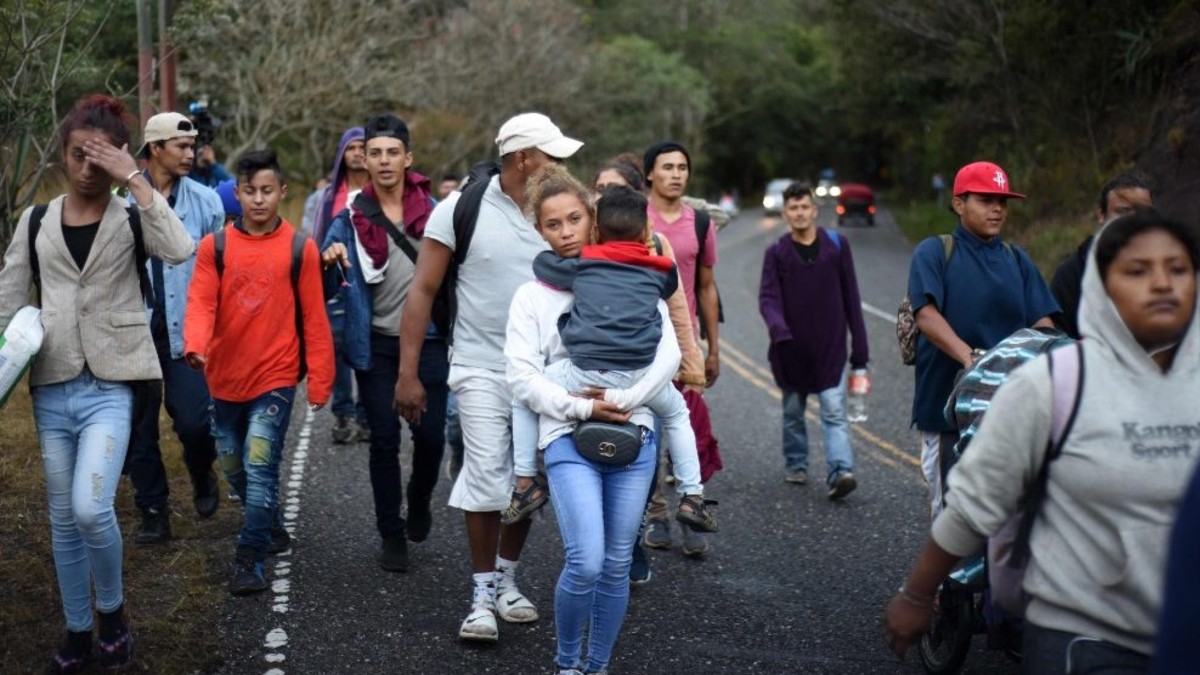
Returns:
(1099, 542)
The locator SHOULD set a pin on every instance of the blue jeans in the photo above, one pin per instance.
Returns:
(83, 427)
(599, 509)
(250, 438)
(343, 403)
(834, 429)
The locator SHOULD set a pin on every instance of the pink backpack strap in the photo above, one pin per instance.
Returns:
(1066, 374)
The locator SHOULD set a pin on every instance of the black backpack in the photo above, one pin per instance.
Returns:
(298, 241)
(139, 250)
(466, 213)
(703, 222)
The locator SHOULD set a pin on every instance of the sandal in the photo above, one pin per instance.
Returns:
(525, 502)
(693, 512)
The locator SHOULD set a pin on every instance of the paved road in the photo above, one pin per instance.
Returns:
(795, 583)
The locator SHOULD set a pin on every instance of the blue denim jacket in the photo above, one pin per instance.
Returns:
(356, 297)
(200, 209)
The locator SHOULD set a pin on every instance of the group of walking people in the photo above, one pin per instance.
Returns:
(153, 287)
(1101, 491)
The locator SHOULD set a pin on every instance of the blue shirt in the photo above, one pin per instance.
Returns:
(202, 213)
(987, 291)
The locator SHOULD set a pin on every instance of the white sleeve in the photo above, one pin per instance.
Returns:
(658, 374)
(440, 226)
(523, 351)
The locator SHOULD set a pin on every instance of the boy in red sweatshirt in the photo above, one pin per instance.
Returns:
(255, 324)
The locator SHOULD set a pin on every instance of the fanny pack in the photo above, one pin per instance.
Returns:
(607, 443)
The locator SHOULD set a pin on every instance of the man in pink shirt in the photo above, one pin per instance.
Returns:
(668, 168)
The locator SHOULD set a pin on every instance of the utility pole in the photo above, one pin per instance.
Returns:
(145, 61)
(166, 57)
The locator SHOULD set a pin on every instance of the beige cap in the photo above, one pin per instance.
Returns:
(535, 130)
(164, 127)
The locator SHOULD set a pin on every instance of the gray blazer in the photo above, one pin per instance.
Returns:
(94, 316)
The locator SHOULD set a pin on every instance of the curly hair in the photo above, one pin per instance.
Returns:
(553, 180)
(102, 113)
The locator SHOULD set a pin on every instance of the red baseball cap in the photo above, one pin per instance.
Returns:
(983, 178)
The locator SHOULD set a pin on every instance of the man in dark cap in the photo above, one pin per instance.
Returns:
(693, 237)
(375, 241)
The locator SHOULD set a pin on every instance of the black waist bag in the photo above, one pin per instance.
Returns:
(607, 443)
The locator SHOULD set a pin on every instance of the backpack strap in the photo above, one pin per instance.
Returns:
(466, 213)
(219, 251)
(703, 223)
(139, 254)
(658, 247)
(298, 241)
(35, 226)
(948, 247)
(837, 239)
(1066, 382)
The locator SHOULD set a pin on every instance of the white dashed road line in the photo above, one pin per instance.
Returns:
(276, 641)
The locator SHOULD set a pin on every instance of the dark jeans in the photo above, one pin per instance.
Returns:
(376, 389)
(1053, 652)
(343, 403)
(250, 436)
(188, 404)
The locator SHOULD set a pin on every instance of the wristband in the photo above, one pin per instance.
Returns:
(914, 600)
(130, 177)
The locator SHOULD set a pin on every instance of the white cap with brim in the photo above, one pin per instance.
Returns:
(164, 127)
(535, 130)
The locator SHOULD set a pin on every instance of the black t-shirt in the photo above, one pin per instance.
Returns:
(808, 252)
(79, 241)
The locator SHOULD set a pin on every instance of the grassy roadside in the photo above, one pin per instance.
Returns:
(1046, 241)
(174, 594)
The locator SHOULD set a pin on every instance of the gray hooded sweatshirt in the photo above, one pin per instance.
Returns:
(1099, 544)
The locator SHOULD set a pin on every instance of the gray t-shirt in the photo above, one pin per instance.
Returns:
(387, 302)
(499, 260)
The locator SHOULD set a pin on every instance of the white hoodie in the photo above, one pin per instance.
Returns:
(1099, 544)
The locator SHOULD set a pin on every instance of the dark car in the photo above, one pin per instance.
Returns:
(858, 200)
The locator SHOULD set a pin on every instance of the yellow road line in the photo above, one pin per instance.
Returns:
(755, 374)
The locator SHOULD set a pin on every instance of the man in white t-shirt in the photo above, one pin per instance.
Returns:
(499, 259)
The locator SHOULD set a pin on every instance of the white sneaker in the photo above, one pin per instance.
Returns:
(480, 625)
(514, 607)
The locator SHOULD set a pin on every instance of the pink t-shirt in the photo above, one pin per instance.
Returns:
(682, 235)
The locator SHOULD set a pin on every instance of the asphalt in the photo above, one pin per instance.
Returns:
(794, 584)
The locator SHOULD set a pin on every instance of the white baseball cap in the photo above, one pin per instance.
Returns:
(535, 130)
(164, 127)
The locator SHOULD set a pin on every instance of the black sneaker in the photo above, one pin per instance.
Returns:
(156, 527)
(116, 642)
(658, 533)
(393, 555)
(419, 522)
(206, 494)
(74, 655)
(639, 571)
(342, 431)
(248, 576)
(363, 433)
(281, 539)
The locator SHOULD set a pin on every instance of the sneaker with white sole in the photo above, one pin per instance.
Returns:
(480, 625)
(514, 607)
(842, 485)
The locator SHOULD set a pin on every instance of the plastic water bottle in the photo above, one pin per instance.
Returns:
(858, 389)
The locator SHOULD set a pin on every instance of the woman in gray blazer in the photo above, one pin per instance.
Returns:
(97, 341)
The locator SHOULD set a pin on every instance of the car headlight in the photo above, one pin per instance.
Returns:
(821, 191)
(835, 191)
(768, 202)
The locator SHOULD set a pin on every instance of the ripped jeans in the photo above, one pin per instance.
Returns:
(250, 438)
(83, 427)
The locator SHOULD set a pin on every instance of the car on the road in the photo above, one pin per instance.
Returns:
(773, 196)
(858, 200)
(827, 188)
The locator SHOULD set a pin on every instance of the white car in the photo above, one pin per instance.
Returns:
(773, 195)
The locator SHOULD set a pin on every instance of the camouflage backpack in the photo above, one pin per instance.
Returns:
(906, 321)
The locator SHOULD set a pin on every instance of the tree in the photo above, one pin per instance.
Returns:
(50, 53)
